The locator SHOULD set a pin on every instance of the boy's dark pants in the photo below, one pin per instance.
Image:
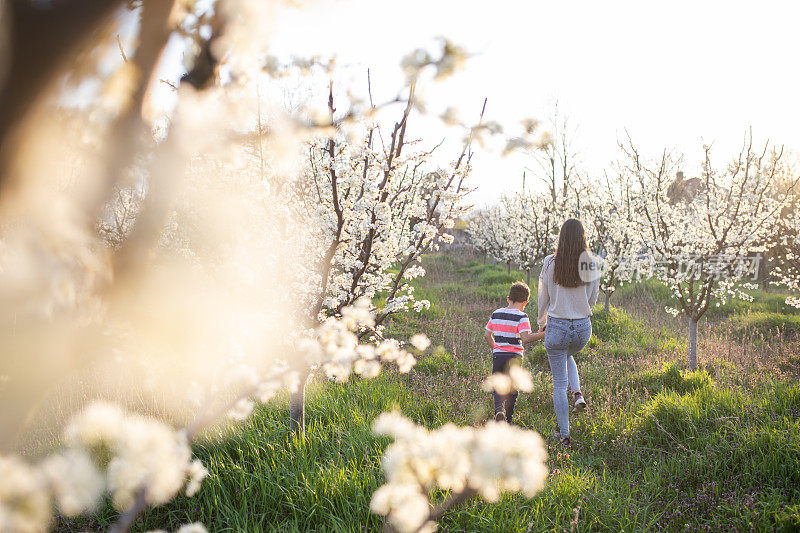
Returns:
(504, 402)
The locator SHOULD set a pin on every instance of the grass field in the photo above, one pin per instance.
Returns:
(660, 448)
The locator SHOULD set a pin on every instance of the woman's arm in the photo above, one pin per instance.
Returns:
(594, 291)
(544, 297)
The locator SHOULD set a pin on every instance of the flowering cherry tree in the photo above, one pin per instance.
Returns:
(610, 218)
(376, 206)
(787, 271)
(538, 222)
(701, 247)
(493, 231)
(519, 230)
(379, 206)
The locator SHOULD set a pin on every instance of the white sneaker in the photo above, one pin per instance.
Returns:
(580, 403)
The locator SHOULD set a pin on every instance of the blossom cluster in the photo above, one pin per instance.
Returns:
(337, 349)
(374, 211)
(490, 460)
(612, 231)
(517, 378)
(106, 450)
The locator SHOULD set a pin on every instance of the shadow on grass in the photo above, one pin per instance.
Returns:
(670, 378)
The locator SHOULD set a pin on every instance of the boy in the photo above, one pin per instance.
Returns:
(506, 331)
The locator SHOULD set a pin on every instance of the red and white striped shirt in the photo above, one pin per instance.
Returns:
(506, 324)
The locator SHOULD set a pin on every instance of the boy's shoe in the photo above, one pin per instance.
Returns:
(500, 416)
(580, 403)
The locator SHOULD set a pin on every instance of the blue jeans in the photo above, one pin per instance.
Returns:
(563, 338)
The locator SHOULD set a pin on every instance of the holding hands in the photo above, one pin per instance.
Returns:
(528, 336)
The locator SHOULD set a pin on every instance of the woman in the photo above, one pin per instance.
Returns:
(568, 288)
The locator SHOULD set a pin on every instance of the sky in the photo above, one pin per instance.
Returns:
(671, 74)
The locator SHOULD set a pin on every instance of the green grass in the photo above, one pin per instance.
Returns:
(660, 448)
(766, 324)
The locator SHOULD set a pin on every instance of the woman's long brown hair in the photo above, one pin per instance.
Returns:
(571, 244)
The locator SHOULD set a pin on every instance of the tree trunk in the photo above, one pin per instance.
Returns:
(763, 273)
(693, 343)
(508, 267)
(297, 408)
(528, 276)
(607, 302)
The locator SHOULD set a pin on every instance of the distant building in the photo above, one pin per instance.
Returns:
(461, 239)
(683, 190)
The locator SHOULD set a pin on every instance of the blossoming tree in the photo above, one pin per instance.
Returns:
(538, 222)
(702, 247)
(787, 271)
(521, 229)
(493, 231)
(376, 206)
(610, 218)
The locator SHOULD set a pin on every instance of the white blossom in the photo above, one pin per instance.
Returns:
(406, 507)
(151, 457)
(787, 270)
(99, 428)
(241, 409)
(194, 527)
(75, 481)
(517, 378)
(420, 342)
(24, 502)
(136, 452)
(197, 473)
(491, 460)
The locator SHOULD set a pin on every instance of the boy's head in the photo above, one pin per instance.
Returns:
(519, 293)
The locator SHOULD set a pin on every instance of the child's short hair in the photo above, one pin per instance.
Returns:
(519, 292)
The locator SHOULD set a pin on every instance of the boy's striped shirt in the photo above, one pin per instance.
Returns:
(506, 324)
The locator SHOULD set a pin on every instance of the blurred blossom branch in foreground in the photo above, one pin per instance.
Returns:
(487, 461)
(166, 275)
